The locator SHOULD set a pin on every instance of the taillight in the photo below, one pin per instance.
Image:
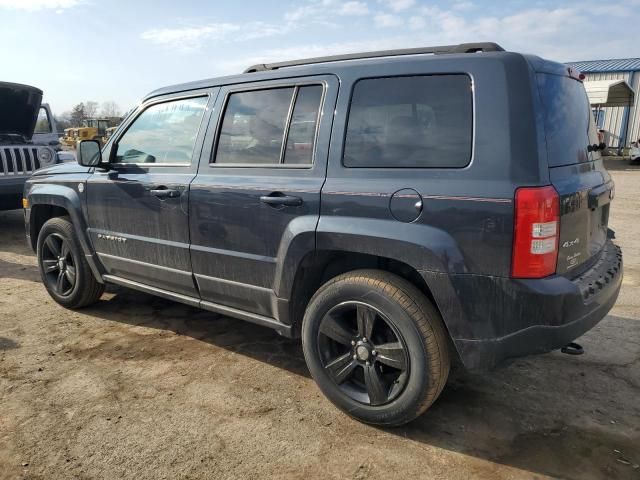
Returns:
(536, 232)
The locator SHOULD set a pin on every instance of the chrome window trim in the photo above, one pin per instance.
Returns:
(271, 86)
(143, 108)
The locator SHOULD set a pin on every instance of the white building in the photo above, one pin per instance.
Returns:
(622, 124)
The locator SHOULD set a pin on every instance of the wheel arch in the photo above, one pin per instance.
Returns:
(318, 267)
(40, 213)
(47, 201)
(310, 255)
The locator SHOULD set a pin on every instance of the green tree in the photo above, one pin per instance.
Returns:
(78, 115)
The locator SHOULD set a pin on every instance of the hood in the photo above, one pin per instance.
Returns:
(19, 105)
(61, 168)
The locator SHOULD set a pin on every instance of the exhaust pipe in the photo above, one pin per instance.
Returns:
(572, 348)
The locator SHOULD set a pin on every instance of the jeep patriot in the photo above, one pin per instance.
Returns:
(395, 210)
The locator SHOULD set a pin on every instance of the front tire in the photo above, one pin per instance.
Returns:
(63, 268)
(376, 347)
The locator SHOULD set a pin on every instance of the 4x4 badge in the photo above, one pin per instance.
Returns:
(571, 243)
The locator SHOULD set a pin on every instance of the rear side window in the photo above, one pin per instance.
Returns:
(302, 130)
(411, 122)
(257, 124)
(569, 124)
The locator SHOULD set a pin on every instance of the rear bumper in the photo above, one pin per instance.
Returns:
(493, 319)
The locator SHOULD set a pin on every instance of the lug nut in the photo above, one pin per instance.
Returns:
(373, 352)
(355, 357)
(368, 364)
(364, 339)
(353, 342)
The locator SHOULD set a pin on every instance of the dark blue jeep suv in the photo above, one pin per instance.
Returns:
(396, 210)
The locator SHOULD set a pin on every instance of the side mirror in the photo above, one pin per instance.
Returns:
(89, 153)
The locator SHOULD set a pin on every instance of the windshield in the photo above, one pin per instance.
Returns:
(43, 125)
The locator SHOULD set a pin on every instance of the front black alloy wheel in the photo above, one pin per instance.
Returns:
(63, 267)
(363, 353)
(58, 265)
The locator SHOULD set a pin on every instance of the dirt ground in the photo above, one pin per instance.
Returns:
(139, 387)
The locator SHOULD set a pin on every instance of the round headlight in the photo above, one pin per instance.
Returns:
(45, 156)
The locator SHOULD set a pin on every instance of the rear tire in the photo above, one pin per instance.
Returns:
(63, 268)
(376, 347)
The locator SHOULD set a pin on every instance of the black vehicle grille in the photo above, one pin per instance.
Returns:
(18, 160)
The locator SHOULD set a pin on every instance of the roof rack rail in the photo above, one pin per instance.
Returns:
(440, 50)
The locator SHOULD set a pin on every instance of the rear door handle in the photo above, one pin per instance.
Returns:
(165, 193)
(278, 199)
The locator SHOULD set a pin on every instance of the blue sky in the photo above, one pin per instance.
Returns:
(78, 50)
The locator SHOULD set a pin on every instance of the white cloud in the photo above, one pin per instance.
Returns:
(187, 36)
(398, 5)
(193, 37)
(462, 5)
(323, 12)
(416, 23)
(557, 33)
(303, 12)
(308, 51)
(34, 5)
(387, 20)
(354, 8)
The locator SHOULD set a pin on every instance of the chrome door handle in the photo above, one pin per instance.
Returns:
(165, 193)
(281, 200)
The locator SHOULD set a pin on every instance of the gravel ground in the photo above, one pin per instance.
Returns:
(139, 387)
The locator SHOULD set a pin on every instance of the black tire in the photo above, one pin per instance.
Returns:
(69, 281)
(407, 315)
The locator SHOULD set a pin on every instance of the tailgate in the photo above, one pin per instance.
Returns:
(585, 198)
(576, 171)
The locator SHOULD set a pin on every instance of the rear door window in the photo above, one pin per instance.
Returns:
(411, 122)
(257, 124)
(302, 129)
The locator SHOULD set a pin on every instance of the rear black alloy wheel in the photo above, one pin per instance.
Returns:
(363, 353)
(58, 264)
(376, 346)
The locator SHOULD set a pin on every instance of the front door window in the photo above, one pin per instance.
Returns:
(165, 133)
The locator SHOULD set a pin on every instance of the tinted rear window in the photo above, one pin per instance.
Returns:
(568, 121)
(421, 121)
(256, 123)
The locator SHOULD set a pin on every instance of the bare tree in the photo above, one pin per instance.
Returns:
(110, 109)
(90, 108)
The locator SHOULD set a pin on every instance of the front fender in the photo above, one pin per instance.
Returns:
(66, 197)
